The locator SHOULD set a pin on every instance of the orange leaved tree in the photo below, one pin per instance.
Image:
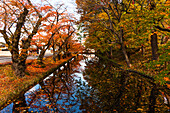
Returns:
(20, 21)
(55, 32)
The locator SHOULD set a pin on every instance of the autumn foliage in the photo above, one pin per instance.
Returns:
(28, 27)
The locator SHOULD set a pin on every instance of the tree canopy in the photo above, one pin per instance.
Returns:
(127, 28)
(24, 24)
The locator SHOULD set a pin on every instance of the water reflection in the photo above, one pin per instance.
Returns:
(112, 90)
(90, 84)
(57, 92)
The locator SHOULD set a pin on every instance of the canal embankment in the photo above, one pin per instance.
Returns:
(12, 87)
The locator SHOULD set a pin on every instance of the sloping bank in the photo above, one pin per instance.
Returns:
(17, 89)
(137, 73)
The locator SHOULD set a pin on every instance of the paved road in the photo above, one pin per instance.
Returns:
(7, 58)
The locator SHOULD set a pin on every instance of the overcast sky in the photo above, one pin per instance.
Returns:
(69, 4)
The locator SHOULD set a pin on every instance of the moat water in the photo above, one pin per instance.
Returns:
(90, 84)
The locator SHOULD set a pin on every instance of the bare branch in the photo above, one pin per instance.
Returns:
(40, 16)
(10, 30)
(9, 7)
(20, 23)
(162, 29)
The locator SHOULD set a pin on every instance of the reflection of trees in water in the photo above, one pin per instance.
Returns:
(108, 90)
(56, 93)
(112, 90)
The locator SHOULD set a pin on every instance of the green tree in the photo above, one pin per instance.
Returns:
(107, 14)
(126, 24)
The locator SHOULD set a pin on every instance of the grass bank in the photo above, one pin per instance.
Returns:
(12, 87)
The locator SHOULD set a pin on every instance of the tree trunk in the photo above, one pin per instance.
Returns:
(143, 50)
(125, 54)
(154, 45)
(41, 56)
(54, 54)
(59, 52)
(123, 48)
(18, 64)
(43, 50)
(19, 68)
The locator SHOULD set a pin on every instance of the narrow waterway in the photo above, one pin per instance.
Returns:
(90, 84)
